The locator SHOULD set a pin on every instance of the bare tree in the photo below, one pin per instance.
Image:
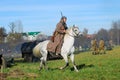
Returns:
(85, 31)
(83, 41)
(19, 26)
(12, 27)
(115, 32)
(2, 33)
(102, 33)
(118, 32)
(16, 31)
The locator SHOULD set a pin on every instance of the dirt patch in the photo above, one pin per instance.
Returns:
(17, 73)
(3, 76)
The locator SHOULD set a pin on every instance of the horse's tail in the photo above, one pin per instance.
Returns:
(36, 51)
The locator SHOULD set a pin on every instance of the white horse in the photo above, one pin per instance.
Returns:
(66, 50)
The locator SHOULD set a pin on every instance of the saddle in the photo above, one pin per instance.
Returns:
(52, 56)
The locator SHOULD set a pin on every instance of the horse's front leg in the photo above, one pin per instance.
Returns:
(73, 62)
(66, 61)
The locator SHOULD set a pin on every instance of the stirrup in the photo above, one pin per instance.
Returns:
(57, 53)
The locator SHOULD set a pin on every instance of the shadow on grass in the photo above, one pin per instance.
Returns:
(53, 69)
(72, 69)
(82, 66)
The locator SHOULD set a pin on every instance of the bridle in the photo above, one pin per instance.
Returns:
(75, 31)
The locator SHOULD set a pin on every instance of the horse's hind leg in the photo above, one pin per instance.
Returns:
(41, 63)
(73, 62)
(66, 60)
(45, 62)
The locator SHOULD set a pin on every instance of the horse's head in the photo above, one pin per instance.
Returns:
(75, 31)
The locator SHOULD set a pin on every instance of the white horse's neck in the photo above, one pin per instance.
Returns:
(69, 32)
(68, 40)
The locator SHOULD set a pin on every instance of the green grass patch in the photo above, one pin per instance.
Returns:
(91, 67)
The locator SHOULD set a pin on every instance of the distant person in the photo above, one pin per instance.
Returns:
(55, 44)
(101, 46)
(94, 46)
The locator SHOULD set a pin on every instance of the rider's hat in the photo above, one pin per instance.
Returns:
(63, 17)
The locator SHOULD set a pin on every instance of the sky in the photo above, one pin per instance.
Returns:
(43, 15)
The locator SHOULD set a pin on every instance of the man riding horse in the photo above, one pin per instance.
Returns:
(56, 41)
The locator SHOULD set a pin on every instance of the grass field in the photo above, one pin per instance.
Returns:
(91, 67)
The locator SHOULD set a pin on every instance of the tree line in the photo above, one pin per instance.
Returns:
(113, 34)
(16, 28)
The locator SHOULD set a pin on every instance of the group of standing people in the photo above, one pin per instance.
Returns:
(98, 49)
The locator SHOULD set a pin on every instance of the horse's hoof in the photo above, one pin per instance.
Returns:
(40, 69)
(76, 70)
(61, 68)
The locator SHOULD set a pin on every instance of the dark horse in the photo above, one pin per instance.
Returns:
(27, 52)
